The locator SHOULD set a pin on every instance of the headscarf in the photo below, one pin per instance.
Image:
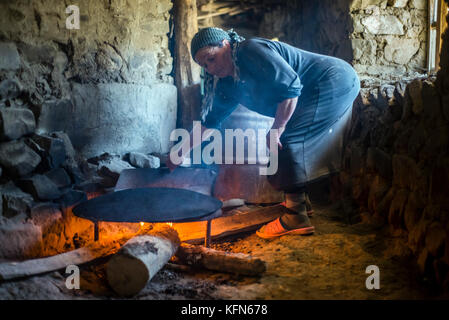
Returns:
(209, 82)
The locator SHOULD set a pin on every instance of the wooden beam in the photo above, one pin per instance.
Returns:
(187, 72)
(239, 222)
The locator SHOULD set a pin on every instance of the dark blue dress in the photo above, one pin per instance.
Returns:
(326, 87)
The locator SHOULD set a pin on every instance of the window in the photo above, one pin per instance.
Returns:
(438, 10)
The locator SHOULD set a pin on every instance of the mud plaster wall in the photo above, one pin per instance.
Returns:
(107, 85)
(381, 38)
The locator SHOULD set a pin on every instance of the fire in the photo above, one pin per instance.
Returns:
(142, 224)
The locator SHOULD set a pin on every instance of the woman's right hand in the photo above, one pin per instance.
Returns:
(171, 166)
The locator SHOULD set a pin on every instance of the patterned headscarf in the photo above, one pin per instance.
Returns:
(209, 82)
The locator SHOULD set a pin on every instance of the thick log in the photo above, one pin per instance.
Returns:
(229, 262)
(140, 259)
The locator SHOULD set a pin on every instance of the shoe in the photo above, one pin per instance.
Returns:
(310, 211)
(309, 208)
(275, 229)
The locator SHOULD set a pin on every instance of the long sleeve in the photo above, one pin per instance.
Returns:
(263, 62)
(224, 103)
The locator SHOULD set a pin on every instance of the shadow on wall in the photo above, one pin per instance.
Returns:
(318, 26)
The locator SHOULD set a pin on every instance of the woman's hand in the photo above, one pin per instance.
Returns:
(171, 166)
(277, 132)
(284, 112)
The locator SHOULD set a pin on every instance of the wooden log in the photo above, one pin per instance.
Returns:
(13, 270)
(229, 262)
(140, 259)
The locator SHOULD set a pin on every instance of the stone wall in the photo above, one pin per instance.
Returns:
(396, 155)
(382, 39)
(396, 166)
(72, 104)
(389, 37)
(78, 79)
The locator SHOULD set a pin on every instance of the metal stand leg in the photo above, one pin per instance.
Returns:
(96, 231)
(207, 237)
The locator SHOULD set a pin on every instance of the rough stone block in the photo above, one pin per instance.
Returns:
(112, 167)
(364, 50)
(10, 59)
(24, 240)
(40, 187)
(432, 104)
(72, 197)
(141, 160)
(363, 4)
(435, 238)
(399, 92)
(445, 106)
(53, 149)
(398, 3)
(401, 51)
(439, 188)
(357, 160)
(418, 4)
(59, 177)
(383, 24)
(380, 162)
(413, 212)
(384, 205)
(15, 123)
(423, 261)
(17, 158)
(405, 171)
(68, 147)
(9, 89)
(396, 213)
(15, 201)
(378, 189)
(45, 215)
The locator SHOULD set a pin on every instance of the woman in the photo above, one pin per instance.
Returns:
(310, 97)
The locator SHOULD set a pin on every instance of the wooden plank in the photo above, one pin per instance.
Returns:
(13, 270)
(194, 232)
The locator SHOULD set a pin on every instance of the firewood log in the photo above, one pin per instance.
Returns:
(139, 259)
(211, 259)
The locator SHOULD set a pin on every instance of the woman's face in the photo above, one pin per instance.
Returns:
(216, 60)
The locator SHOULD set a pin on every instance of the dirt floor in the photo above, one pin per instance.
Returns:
(330, 264)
